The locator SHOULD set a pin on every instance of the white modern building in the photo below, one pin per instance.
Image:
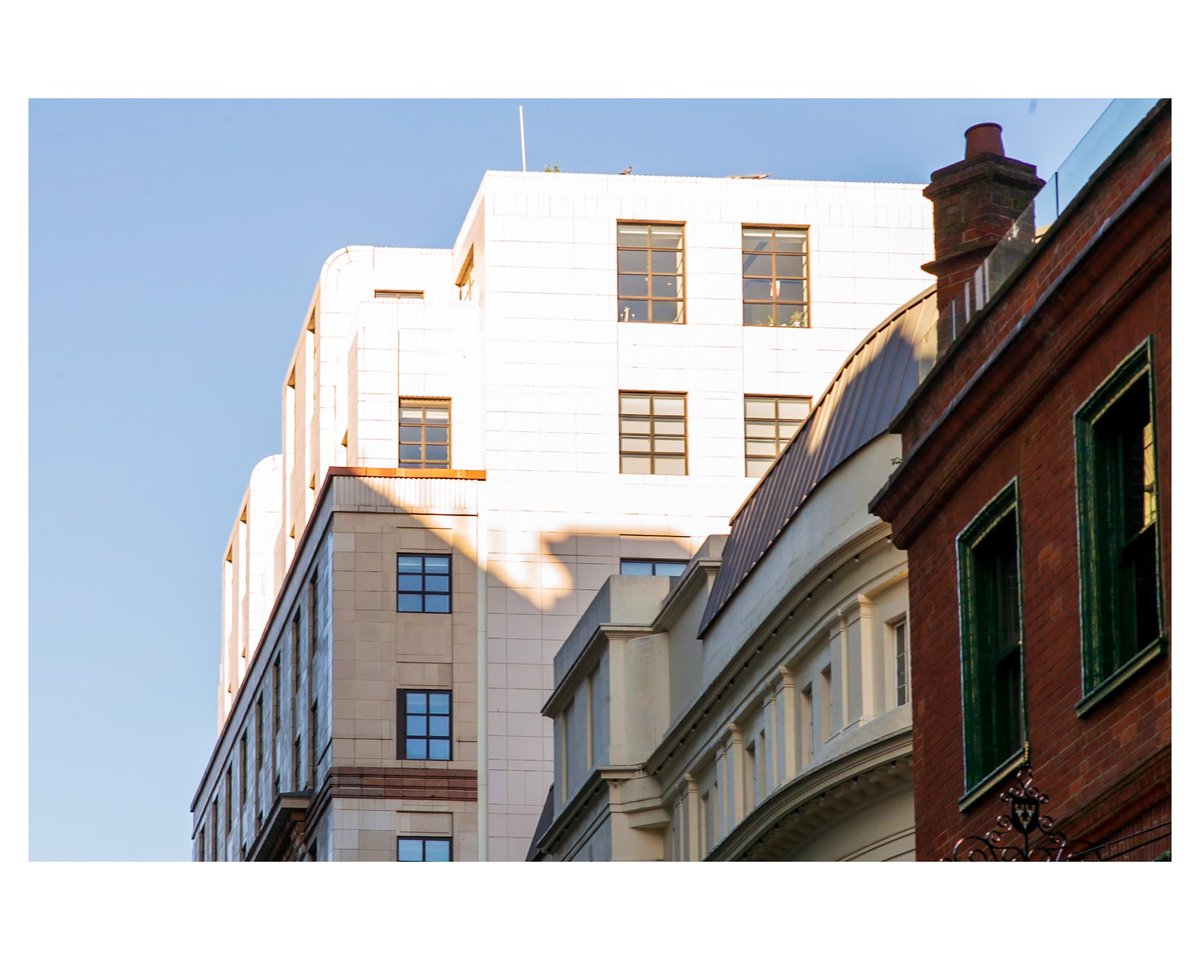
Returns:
(757, 706)
(474, 440)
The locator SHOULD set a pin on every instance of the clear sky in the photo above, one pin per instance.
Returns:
(174, 246)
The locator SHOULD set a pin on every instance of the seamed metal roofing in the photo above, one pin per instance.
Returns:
(860, 403)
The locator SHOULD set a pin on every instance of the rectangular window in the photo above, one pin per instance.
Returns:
(990, 608)
(258, 733)
(228, 802)
(422, 725)
(806, 726)
(295, 667)
(903, 670)
(425, 433)
(275, 694)
(708, 805)
(650, 272)
(423, 849)
(1117, 489)
(200, 851)
(827, 703)
(399, 294)
(775, 277)
(243, 779)
(653, 433)
(422, 583)
(653, 568)
(312, 745)
(215, 826)
(296, 763)
(751, 771)
(770, 423)
(276, 708)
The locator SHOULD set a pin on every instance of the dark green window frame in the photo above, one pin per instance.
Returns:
(1120, 556)
(993, 654)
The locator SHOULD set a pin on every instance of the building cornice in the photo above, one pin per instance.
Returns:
(809, 802)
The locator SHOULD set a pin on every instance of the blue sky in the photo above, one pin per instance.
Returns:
(173, 247)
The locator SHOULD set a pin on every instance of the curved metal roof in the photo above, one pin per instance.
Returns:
(860, 403)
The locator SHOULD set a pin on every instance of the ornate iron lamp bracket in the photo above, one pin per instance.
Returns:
(1024, 833)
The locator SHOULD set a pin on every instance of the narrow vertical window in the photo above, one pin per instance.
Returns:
(312, 745)
(295, 668)
(1117, 489)
(770, 423)
(775, 277)
(653, 433)
(900, 635)
(990, 609)
(313, 633)
(827, 703)
(424, 433)
(258, 733)
(807, 740)
(243, 778)
(214, 822)
(200, 846)
(751, 785)
(650, 272)
(276, 707)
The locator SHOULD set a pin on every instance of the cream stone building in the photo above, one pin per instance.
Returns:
(474, 440)
(757, 706)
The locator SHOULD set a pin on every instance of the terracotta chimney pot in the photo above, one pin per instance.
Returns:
(984, 138)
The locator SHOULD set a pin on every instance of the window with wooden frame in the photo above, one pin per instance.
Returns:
(424, 433)
(650, 269)
(424, 849)
(1117, 492)
(770, 423)
(993, 670)
(775, 276)
(422, 583)
(399, 294)
(653, 433)
(423, 724)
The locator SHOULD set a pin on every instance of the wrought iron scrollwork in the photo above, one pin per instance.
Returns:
(1024, 833)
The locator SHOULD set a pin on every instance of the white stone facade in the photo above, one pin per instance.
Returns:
(517, 328)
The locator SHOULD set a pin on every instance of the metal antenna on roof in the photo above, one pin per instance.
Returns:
(521, 116)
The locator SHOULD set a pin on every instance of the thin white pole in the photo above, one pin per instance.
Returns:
(521, 115)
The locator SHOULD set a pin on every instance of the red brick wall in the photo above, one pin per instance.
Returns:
(1018, 420)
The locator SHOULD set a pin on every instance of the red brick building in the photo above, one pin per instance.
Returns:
(1034, 500)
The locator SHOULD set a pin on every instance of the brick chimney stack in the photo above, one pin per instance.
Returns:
(975, 201)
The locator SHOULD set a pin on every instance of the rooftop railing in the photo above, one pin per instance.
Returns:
(1104, 136)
